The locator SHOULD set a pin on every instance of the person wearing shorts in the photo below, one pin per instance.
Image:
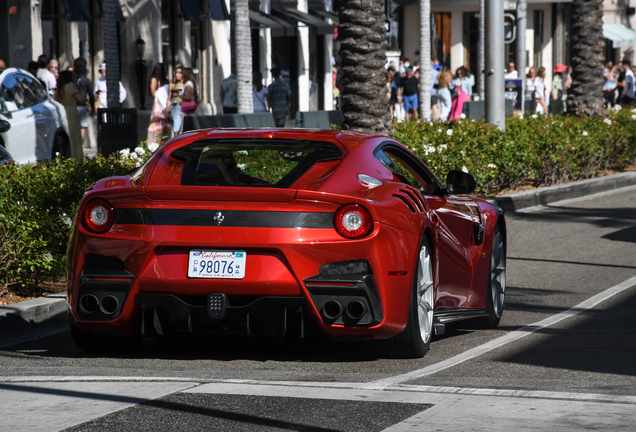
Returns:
(410, 86)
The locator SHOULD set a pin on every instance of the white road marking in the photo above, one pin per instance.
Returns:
(575, 200)
(503, 340)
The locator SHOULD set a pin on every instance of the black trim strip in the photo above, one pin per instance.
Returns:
(225, 218)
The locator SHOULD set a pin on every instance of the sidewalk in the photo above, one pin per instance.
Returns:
(20, 321)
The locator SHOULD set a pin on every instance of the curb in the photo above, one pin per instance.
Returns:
(28, 319)
(20, 320)
(544, 196)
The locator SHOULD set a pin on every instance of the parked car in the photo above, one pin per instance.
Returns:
(263, 231)
(39, 128)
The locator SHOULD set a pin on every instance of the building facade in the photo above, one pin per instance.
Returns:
(296, 36)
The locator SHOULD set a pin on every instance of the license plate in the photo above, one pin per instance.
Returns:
(216, 264)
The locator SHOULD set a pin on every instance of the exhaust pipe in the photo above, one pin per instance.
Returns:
(356, 309)
(332, 309)
(109, 305)
(88, 303)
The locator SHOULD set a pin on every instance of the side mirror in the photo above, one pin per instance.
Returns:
(4, 126)
(459, 183)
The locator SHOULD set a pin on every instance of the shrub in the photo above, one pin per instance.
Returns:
(544, 150)
(37, 204)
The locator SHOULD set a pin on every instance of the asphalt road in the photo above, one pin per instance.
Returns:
(573, 369)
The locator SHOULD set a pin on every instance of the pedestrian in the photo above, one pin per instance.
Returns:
(159, 74)
(462, 91)
(511, 73)
(54, 67)
(260, 94)
(389, 90)
(609, 85)
(620, 82)
(3, 65)
(628, 87)
(408, 94)
(280, 97)
(69, 95)
(396, 99)
(176, 91)
(540, 94)
(530, 103)
(336, 90)
(462, 80)
(45, 75)
(557, 105)
(189, 99)
(160, 127)
(101, 90)
(32, 67)
(444, 95)
(228, 93)
(85, 86)
(434, 86)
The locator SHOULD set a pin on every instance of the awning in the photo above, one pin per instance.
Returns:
(218, 10)
(279, 27)
(324, 14)
(620, 35)
(191, 10)
(119, 15)
(321, 27)
(77, 10)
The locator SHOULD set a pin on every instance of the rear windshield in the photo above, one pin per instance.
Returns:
(254, 163)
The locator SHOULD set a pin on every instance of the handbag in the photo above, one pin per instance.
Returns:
(189, 106)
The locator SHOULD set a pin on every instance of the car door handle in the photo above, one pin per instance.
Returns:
(30, 115)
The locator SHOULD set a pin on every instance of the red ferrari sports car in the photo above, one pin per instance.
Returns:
(269, 231)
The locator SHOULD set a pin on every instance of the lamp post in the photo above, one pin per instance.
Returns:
(140, 70)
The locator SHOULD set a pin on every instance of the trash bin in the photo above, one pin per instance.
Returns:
(116, 129)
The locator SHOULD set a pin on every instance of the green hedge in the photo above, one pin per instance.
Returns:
(37, 202)
(543, 150)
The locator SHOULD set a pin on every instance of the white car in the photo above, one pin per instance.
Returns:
(38, 125)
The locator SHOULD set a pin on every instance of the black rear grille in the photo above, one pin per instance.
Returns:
(341, 268)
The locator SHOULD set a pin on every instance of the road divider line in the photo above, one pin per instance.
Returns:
(503, 340)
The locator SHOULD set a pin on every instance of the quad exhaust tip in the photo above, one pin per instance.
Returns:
(89, 303)
(332, 309)
(356, 309)
(109, 305)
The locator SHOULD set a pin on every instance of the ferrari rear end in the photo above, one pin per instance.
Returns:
(228, 233)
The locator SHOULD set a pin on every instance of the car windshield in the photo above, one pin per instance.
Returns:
(254, 163)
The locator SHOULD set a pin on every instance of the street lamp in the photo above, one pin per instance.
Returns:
(140, 70)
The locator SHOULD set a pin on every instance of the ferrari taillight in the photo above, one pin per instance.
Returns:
(353, 221)
(99, 216)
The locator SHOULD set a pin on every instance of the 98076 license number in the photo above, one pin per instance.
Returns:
(216, 264)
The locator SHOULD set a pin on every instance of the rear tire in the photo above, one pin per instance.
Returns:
(496, 287)
(415, 340)
(100, 343)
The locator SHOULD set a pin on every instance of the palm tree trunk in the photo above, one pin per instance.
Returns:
(585, 96)
(111, 54)
(425, 59)
(362, 41)
(243, 57)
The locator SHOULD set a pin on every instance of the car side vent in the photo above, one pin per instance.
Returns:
(418, 196)
(406, 201)
(412, 194)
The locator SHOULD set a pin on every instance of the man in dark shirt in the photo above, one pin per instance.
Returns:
(620, 83)
(408, 91)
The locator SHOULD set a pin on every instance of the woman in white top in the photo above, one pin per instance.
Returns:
(444, 95)
(529, 100)
(260, 93)
(160, 127)
(188, 95)
(539, 92)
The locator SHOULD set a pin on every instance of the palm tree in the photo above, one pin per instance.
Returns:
(362, 41)
(111, 53)
(243, 56)
(425, 59)
(585, 96)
